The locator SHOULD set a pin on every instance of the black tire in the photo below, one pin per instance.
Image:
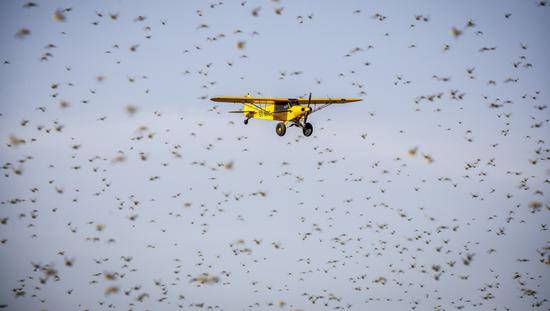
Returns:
(307, 129)
(280, 129)
(245, 121)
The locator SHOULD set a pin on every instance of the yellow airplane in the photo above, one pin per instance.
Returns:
(286, 110)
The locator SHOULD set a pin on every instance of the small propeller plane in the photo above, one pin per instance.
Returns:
(293, 111)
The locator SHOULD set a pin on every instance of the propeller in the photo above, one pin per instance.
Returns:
(309, 108)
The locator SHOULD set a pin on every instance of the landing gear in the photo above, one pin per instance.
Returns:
(245, 121)
(280, 129)
(307, 129)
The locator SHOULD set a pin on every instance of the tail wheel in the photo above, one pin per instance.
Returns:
(280, 129)
(245, 121)
(307, 129)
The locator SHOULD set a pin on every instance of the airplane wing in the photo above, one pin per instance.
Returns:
(250, 100)
(283, 100)
(328, 100)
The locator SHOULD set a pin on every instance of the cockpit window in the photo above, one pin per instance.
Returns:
(281, 107)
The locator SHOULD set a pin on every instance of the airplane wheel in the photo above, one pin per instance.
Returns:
(308, 129)
(280, 129)
(245, 121)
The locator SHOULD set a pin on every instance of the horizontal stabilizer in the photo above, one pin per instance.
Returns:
(242, 111)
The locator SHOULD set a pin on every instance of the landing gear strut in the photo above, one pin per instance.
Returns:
(307, 129)
(280, 129)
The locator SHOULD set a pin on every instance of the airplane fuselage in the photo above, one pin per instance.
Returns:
(282, 113)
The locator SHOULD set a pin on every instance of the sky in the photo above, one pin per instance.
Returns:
(124, 187)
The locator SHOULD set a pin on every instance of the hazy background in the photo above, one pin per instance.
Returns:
(348, 218)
